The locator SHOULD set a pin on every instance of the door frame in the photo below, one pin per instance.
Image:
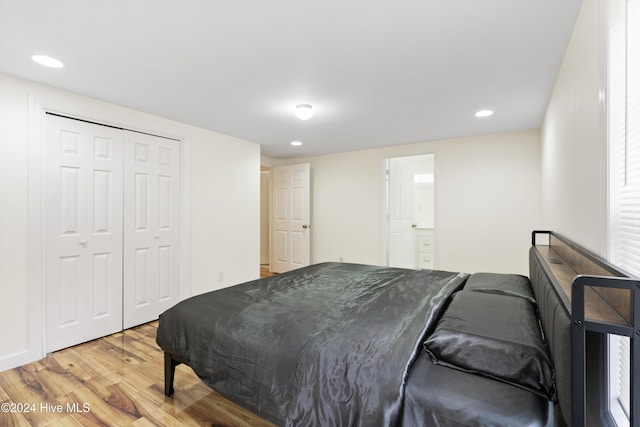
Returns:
(100, 113)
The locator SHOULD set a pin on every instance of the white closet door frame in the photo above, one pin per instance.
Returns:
(39, 105)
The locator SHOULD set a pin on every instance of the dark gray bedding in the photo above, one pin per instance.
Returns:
(329, 344)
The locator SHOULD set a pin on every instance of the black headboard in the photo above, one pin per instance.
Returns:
(578, 291)
(556, 323)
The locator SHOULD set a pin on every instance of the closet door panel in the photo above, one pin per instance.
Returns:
(151, 237)
(83, 205)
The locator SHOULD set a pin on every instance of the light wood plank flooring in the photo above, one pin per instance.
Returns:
(113, 381)
(264, 271)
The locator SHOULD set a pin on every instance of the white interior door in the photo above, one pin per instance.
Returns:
(83, 205)
(401, 214)
(151, 226)
(291, 234)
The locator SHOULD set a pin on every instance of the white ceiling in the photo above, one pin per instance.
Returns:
(377, 72)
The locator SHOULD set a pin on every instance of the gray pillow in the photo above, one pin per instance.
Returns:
(504, 284)
(495, 336)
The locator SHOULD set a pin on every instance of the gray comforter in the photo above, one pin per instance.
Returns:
(328, 344)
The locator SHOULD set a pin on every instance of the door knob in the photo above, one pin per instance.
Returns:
(305, 226)
(83, 243)
(157, 236)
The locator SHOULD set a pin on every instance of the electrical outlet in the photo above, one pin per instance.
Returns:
(220, 276)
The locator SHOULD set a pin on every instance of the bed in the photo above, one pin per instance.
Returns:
(359, 345)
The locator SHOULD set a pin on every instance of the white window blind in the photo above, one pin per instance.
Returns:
(624, 153)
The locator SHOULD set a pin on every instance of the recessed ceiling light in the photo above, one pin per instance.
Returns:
(484, 113)
(47, 61)
(296, 143)
(304, 111)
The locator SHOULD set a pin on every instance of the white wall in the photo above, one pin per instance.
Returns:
(574, 149)
(225, 211)
(487, 202)
(221, 190)
(13, 219)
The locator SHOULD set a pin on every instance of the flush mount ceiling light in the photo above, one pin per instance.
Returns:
(484, 113)
(304, 111)
(296, 143)
(47, 61)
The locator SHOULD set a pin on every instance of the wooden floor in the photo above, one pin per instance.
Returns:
(264, 271)
(113, 381)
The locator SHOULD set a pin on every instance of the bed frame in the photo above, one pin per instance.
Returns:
(580, 293)
(577, 292)
(170, 363)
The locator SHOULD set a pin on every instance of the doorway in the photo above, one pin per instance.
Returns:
(285, 213)
(265, 220)
(410, 211)
(290, 217)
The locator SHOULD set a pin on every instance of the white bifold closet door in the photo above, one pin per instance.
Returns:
(112, 208)
(151, 226)
(84, 173)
